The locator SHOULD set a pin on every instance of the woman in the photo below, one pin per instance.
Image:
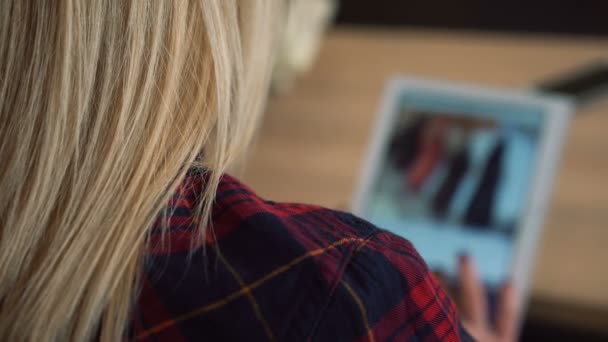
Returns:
(118, 122)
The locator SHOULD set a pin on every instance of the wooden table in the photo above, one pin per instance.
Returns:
(313, 139)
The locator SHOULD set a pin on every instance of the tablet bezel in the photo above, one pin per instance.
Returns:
(558, 111)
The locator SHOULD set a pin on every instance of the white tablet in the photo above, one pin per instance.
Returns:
(464, 169)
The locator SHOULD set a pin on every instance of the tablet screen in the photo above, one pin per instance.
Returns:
(454, 178)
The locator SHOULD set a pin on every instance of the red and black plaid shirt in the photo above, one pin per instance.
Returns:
(285, 272)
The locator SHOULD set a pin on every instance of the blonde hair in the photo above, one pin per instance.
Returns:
(104, 107)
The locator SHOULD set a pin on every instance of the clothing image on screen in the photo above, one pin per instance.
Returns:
(455, 175)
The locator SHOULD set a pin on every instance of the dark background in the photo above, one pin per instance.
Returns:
(580, 17)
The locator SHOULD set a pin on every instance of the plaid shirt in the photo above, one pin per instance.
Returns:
(284, 272)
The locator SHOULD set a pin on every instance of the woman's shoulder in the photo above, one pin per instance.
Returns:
(289, 272)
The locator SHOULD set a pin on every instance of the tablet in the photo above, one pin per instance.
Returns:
(460, 168)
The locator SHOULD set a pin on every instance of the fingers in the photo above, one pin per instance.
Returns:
(473, 296)
(506, 318)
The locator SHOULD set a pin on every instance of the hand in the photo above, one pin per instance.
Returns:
(474, 307)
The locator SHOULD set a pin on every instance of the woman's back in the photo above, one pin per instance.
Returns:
(286, 272)
(109, 110)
